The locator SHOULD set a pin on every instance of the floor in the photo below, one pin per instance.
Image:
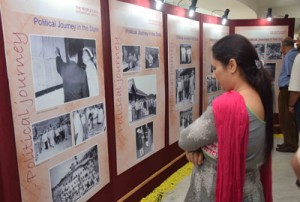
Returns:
(284, 188)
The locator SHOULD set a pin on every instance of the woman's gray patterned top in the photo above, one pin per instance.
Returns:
(202, 134)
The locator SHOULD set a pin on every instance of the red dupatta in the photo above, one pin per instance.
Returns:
(232, 125)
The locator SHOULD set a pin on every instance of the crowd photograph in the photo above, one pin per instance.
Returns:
(185, 86)
(141, 97)
(64, 70)
(88, 122)
(131, 58)
(75, 177)
(51, 137)
(144, 139)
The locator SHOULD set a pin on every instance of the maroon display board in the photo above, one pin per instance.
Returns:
(266, 36)
(210, 86)
(184, 68)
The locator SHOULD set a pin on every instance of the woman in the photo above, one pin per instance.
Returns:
(235, 132)
(296, 166)
(91, 72)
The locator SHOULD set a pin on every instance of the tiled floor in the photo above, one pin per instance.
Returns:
(284, 188)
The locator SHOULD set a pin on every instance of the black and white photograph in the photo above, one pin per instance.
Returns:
(186, 118)
(185, 54)
(212, 85)
(260, 49)
(151, 57)
(141, 97)
(88, 122)
(270, 68)
(185, 86)
(51, 137)
(144, 139)
(273, 51)
(73, 178)
(64, 70)
(131, 58)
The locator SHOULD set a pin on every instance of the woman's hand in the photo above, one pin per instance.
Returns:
(195, 157)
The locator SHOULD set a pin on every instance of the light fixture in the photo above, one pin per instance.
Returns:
(159, 4)
(225, 16)
(269, 14)
(192, 8)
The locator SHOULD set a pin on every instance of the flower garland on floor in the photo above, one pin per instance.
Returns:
(278, 135)
(169, 184)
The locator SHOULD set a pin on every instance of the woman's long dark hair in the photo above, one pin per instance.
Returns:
(239, 48)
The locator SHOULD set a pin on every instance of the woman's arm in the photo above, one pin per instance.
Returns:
(200, 133)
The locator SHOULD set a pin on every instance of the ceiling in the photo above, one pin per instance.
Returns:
(246, 9)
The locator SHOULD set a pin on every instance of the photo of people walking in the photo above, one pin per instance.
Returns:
(185, 54)
(88, 122)
(51, 137)
(185, 86)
